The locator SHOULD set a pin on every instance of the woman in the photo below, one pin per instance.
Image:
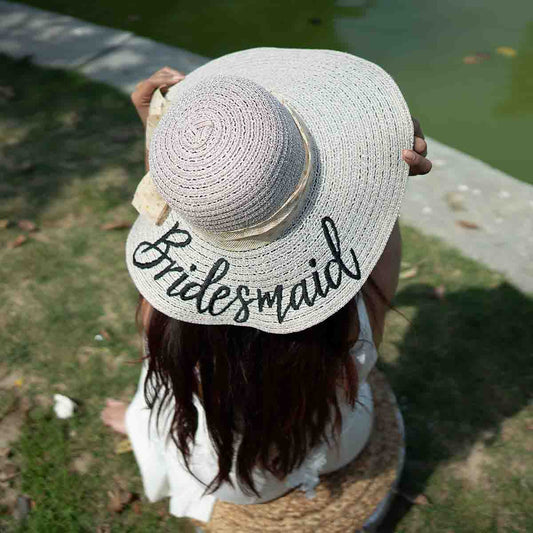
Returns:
(266, 275)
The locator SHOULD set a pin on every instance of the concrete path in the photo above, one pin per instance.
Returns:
(482, 211)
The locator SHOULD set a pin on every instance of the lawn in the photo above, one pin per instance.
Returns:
(459, 358)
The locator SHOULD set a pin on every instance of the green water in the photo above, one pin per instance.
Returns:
(484, 109)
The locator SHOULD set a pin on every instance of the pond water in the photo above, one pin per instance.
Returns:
(465, 67)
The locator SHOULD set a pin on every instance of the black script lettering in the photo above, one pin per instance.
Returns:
(167, 269)
(171, 291)
(270, 299)
(334, 244)
(222, 292)
(216, 273)
(333, 284)
(186, 292)
(304, 296)
(243, 313)
(318, 287)
(174, 237)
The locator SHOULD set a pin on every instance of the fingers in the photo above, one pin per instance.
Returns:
(162, 79)
(420, 146)
(417, 128)
(418, 164)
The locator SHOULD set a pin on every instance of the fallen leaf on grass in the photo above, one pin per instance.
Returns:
(5, 223)
(123, 446)
(27, 225)
(19, 241)
(5, 451)
(123, 224)
(421, 499)
(8, 471)
(467, 224)
(82, 463)
(104, 333)
(118, 500)
(408, 274)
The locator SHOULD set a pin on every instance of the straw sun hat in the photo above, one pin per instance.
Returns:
(282, 175)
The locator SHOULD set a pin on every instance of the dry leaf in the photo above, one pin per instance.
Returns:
(136, 507)
(455, 201)
(8, 471)
(118, 500)
(421, 499)
(467, 224)
(105, 334)
(5, 223)
(506, 51)
(26, 225)
(5, 452)
(408, 274)
(114, 505)
(19, 241)
(82, 463)
(123, 224)
(123, 446)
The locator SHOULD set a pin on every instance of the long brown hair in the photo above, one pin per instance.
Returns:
(278, 393)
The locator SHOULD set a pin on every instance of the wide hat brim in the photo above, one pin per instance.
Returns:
(359, 124)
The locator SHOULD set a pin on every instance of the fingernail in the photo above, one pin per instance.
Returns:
(408, 155)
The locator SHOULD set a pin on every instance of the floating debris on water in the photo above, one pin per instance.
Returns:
(506, 51)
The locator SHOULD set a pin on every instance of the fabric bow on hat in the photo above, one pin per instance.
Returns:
(147, 199)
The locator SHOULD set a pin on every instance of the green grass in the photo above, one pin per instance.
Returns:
(71, 156)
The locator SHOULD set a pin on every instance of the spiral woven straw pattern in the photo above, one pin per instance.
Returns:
(228, 153)
(344, 499)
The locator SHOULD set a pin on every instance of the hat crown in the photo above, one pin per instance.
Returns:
(227, 154)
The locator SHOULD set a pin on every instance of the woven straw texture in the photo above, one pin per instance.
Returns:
(227, 154)
(344, 499)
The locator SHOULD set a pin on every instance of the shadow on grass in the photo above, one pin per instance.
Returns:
(59, 128)
(464, 367)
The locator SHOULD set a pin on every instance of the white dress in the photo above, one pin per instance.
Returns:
(164, 474)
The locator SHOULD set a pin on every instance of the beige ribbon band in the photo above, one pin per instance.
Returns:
(152, 205)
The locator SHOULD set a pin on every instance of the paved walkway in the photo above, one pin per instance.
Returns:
(461, 191)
